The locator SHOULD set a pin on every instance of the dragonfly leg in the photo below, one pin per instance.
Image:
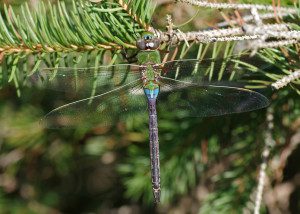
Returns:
(129, 58)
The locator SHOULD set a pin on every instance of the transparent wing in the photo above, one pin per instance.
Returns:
(104, 109)
(207, 100)
(86, 81)
(206, 69)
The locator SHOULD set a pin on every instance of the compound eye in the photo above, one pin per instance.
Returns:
(147, 37)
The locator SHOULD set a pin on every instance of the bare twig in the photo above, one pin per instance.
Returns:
(286, 80)
(269, 144)
(249, 18)
(202, 3)
(273, 44)
(247, 32)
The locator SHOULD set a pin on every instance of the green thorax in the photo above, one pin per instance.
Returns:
(148, 58)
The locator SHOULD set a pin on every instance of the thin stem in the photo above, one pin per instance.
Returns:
(269, 143)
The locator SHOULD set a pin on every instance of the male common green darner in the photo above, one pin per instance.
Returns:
(129, 89)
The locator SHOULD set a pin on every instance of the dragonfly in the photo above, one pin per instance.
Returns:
(118, 91)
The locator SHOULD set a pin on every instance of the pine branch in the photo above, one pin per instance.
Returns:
(259, 36)
(106, 25)
(55, 34)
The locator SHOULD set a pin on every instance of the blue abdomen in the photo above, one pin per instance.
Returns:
(151, 94)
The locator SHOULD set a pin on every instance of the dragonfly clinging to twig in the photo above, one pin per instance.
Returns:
(131, 88)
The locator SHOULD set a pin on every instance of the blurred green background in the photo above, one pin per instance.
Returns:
(208, 165)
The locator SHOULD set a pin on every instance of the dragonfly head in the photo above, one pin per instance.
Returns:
(148, 41)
